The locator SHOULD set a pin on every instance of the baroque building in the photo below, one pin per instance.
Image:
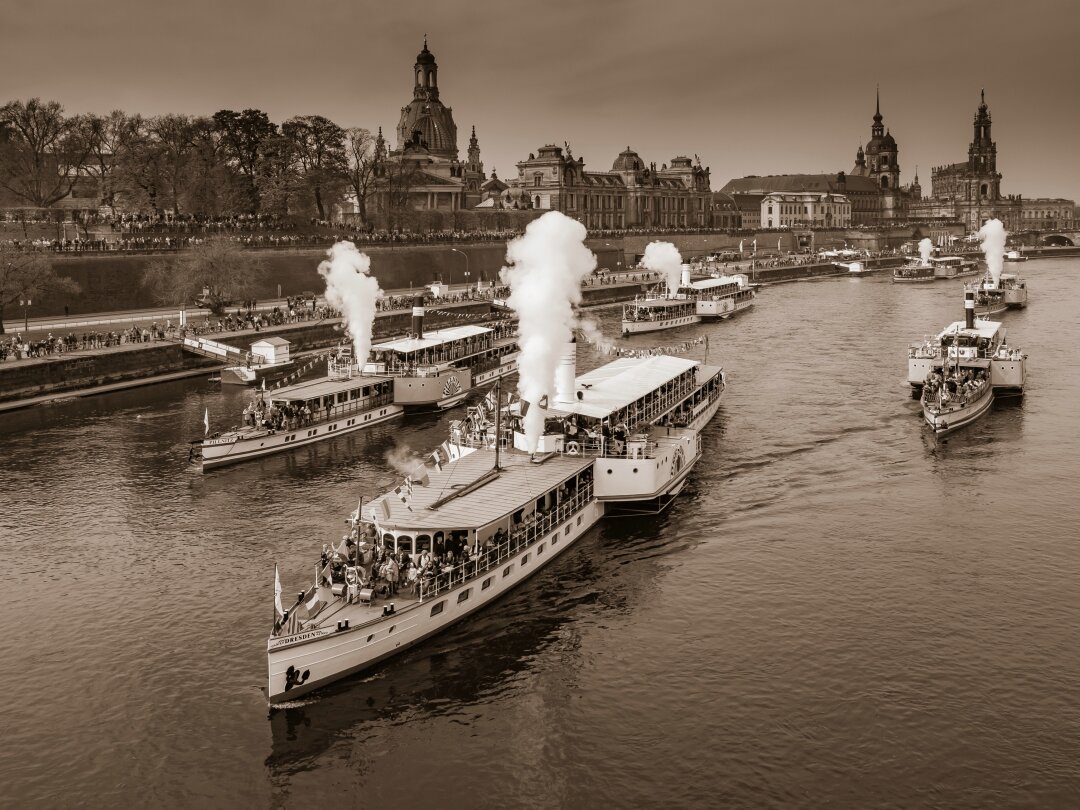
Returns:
(423, 172)
(880, 161)
(630, 195)
(970, 191)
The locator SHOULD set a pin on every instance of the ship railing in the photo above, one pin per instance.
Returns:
(322, 416)
(519, 540)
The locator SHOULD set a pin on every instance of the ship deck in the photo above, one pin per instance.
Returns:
(520, 480)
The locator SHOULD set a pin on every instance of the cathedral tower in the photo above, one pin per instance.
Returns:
(982, 157)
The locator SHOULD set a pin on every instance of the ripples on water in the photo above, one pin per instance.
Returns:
(837, 611)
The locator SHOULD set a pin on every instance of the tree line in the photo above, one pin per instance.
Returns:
(220, 165)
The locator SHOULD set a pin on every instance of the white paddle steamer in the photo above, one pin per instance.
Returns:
(623, 437)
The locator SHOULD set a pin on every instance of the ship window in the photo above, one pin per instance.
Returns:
(507, 570)
(487, 584)
(525, 559)
(461, 597)
(540, 550)
(369, 638)
(423, 543)
(435, 610)
(405, 542)
(579, 520)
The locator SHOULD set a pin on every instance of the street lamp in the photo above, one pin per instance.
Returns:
(466, 255)
(25, 302)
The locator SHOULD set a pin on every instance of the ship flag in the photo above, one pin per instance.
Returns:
(277, 593)
(437, 459)
(206, 422)
(421, 478)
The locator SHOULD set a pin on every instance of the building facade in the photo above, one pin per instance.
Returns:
(970, 191)
(861, 193)
(631, 195)
(805, 210)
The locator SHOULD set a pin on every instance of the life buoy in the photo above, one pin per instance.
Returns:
(572, 449)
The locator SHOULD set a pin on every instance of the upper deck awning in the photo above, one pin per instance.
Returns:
(718, 281)
(614, 386)
(519, 483)
(324, 387)
(431, 340)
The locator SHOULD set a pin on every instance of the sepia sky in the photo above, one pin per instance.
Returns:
(752, 86)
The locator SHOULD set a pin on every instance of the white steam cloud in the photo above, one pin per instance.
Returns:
(591, 330)
(351, 290)
(992, 234)
(404, 459)
(926, 247)
(664, 257)
(545, 268)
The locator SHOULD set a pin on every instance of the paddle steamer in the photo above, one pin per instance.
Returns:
(973, 346)
(437, 370)
(913, 272)
(718, 297)
(623, 437)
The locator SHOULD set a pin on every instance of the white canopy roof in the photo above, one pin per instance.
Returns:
(984, 329)
(613, 386)
(519, 483)
(719, 281)
(432, 339)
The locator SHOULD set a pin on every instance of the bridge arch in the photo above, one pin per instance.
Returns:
(1058, 240)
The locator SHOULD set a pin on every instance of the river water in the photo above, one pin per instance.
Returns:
(838, 611)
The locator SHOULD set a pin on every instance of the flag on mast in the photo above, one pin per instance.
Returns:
(277, 592)
(206, 422)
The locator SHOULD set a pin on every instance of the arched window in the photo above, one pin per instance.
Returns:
(983, 189)
(884, 182)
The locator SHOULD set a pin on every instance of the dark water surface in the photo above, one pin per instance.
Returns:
(837, 612)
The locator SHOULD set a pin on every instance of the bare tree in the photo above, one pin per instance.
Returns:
(217, 272)
(362, 159)
(42, 153)
(110, 138)
(27, 275)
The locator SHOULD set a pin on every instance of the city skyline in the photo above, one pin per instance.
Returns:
(790, 89)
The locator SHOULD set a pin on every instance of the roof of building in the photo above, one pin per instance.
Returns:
(798, 182)
(437, 337)
(273, 341)
(627, 161)
(520, 482)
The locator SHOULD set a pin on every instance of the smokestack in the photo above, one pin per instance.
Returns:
(418, 316)
(566, 374)
(686, 275)
(969, 309)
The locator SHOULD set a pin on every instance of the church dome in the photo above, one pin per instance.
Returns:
(425, 57)
(437, 130)
(627, 161)
(889, 141)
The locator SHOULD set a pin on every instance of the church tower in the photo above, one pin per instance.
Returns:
(883, 165)
(982, 158)
(426, 122)
(473, 172)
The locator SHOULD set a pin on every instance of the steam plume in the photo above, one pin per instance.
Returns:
(591, 330)
(926, 247)
(404, 459)
(992, 234)
(350, 289)
(545, 268)
(664, 257)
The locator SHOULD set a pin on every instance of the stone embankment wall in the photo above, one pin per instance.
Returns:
(24, 379)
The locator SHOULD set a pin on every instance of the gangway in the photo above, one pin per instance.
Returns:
(230, 355)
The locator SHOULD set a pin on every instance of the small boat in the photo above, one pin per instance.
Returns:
(973, 345)
(490, 514)
(855, 268)
(914, 272)
(721, 295)
(946, 267)
(342, 402)
(1015, 256)
(437, 370)
(994, 297)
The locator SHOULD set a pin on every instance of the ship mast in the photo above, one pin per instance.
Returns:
(498, 409)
